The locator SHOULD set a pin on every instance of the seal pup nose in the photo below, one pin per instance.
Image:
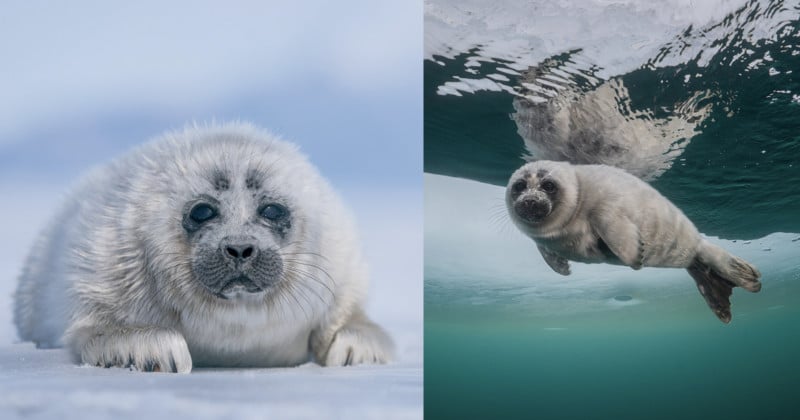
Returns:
(532, 209)
(239, 251)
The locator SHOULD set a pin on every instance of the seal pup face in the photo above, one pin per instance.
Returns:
(231, 218)
(241, 221)
(236, 234)
(541, 195)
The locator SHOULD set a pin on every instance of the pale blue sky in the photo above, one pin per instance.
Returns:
(85, 81)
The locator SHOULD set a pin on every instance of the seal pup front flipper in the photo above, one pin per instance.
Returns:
(618, 238)
(358, 340)
(143, 348)
(715, 289)
(558, 263)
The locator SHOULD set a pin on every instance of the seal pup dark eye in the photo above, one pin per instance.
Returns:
(549, 187)
(519, 186)
(202, 213)
(273, 212)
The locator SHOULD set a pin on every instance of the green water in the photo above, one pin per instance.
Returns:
(664, 359)
(508, 369)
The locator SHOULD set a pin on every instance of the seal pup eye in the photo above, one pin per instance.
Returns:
(202, 213)
(519, 186)
(549, 187)
(273, 212)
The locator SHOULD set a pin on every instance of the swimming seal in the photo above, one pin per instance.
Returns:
(602, 214)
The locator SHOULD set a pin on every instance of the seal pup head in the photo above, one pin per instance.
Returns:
(542, 196)
(231, 216)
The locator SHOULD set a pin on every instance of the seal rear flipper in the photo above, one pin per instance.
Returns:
(715, 290)
(558, 263)
(731, 268)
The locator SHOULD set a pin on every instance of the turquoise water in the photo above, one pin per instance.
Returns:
(507, 338)
(604, 369)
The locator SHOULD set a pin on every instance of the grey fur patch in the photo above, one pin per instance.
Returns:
(221, 180)
(253, 181)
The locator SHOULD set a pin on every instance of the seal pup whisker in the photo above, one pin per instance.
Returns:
(291, 288)
(311, 265)
(306, 276)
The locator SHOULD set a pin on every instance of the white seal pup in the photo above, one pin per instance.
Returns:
(212, 246)
(602, 214)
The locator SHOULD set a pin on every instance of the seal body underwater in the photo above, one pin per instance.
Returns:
(218, 245)
(602, 214)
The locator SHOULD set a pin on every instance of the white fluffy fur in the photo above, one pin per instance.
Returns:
(109, 277)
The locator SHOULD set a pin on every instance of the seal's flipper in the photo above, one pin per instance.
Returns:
(715, 289)
(621, 238)
(558, 263)
(731, 268)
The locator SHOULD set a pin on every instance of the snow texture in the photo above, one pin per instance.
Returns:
(41, 384)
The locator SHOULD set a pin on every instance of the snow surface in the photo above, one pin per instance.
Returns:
(43, 384)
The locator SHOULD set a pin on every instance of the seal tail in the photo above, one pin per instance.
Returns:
(716, 273)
